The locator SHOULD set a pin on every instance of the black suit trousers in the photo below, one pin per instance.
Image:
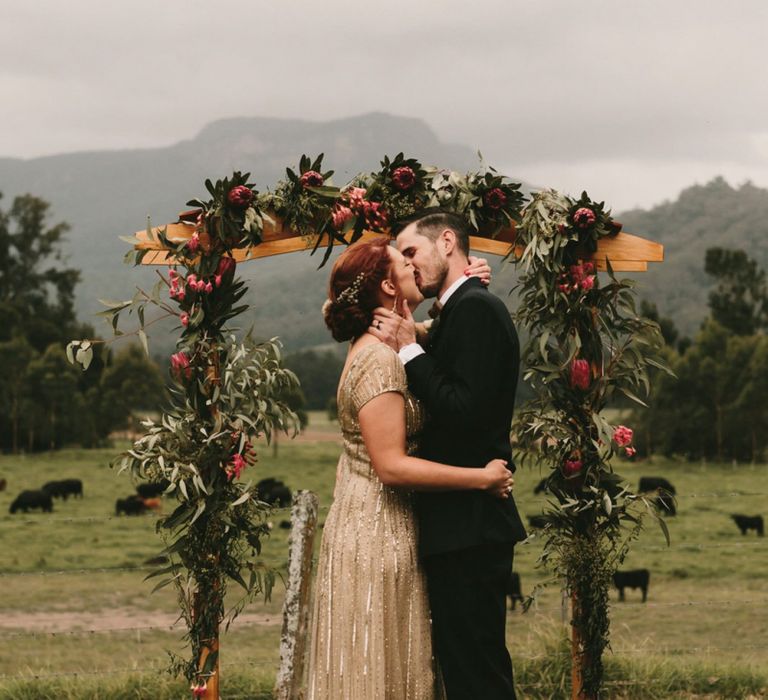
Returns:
(467, 594)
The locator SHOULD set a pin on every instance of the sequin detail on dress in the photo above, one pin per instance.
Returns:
(371, 635)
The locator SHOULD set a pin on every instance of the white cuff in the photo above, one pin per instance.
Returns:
(408, 352)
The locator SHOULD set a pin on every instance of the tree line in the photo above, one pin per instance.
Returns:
(45, 402)
(715, 408)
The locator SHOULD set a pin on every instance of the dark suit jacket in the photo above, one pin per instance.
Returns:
(467, 381)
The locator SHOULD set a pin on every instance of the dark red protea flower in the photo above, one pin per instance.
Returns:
(375, 215)
(240, 197)
(311, 178)
(404, 178)
(580, 375)
(495, 198)
(572, 467)
(584, 217)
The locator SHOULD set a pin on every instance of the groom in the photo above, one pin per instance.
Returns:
(466, 377)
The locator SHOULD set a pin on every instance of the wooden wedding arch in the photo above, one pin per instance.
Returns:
(625, 253)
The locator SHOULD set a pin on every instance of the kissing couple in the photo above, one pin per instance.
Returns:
(410, 592)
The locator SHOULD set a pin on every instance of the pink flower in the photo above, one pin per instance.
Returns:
(200, 285)
(375, 215)
(184, 319)
(580, 375)
(404, 178)
(587, 283)
(193, 243)
(236, 466)
(340, 215)
(356, 197)
(240, 196)
(199, 690)
(572, 467)
(495, 198)
(208, 288)
(589, 268)
(226, 269)
(631, 451)
(217, 280)
(192, 280)
(622, 436)
(180, 365)
(311, 178)
(584, 217)
(172, 273)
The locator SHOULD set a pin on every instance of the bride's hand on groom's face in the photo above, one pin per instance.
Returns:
(393, 329)
(500, 480)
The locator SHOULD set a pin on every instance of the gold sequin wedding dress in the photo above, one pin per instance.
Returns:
(371, 630)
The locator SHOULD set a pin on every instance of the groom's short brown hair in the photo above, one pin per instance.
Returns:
(431, 221)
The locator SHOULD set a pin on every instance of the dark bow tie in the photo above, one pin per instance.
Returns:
(435, 309)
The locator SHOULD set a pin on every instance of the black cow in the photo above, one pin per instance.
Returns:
(538, 522)
(64, 488)
(153, 489)
(749, 522)
(274, 492)
(637, 578)
(32, 499)
(133, 505)
(514, 590)
(655, 483)
(542, 486)
(665, 503)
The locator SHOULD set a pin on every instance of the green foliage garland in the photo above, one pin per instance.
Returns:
(586, 344)
(225, 394)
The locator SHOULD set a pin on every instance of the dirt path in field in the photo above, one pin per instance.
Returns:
(111, 619)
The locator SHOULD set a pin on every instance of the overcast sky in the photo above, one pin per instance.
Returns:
(631, 100)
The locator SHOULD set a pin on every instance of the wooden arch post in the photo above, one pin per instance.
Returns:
(624, 251)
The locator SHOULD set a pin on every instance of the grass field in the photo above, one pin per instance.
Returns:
(74, 600)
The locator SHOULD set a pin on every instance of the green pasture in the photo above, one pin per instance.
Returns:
(74, 600)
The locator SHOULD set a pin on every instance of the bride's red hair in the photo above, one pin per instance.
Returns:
(353, 289)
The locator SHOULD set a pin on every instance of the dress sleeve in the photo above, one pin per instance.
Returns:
(378, 372)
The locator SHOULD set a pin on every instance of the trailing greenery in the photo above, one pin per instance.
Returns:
(226, 394)
(586, 345)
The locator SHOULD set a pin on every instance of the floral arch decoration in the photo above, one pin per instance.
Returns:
(585, 344)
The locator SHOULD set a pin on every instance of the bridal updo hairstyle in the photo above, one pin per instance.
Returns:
(353, 290)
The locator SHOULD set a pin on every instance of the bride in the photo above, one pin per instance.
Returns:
(371, 630)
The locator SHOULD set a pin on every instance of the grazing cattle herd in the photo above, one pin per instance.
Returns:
(665, 502)
(148, 497)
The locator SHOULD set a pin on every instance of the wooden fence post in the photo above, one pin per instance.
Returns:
(293, 640)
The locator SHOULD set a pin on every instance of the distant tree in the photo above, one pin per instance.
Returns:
(750, 407)
(131, 381)
(740, 301)
(54, 407)
(712, 409)
(648, 309)
(36, 289)
(318, 373)
(15, 357)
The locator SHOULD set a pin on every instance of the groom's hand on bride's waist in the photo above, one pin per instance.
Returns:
(394, 329)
